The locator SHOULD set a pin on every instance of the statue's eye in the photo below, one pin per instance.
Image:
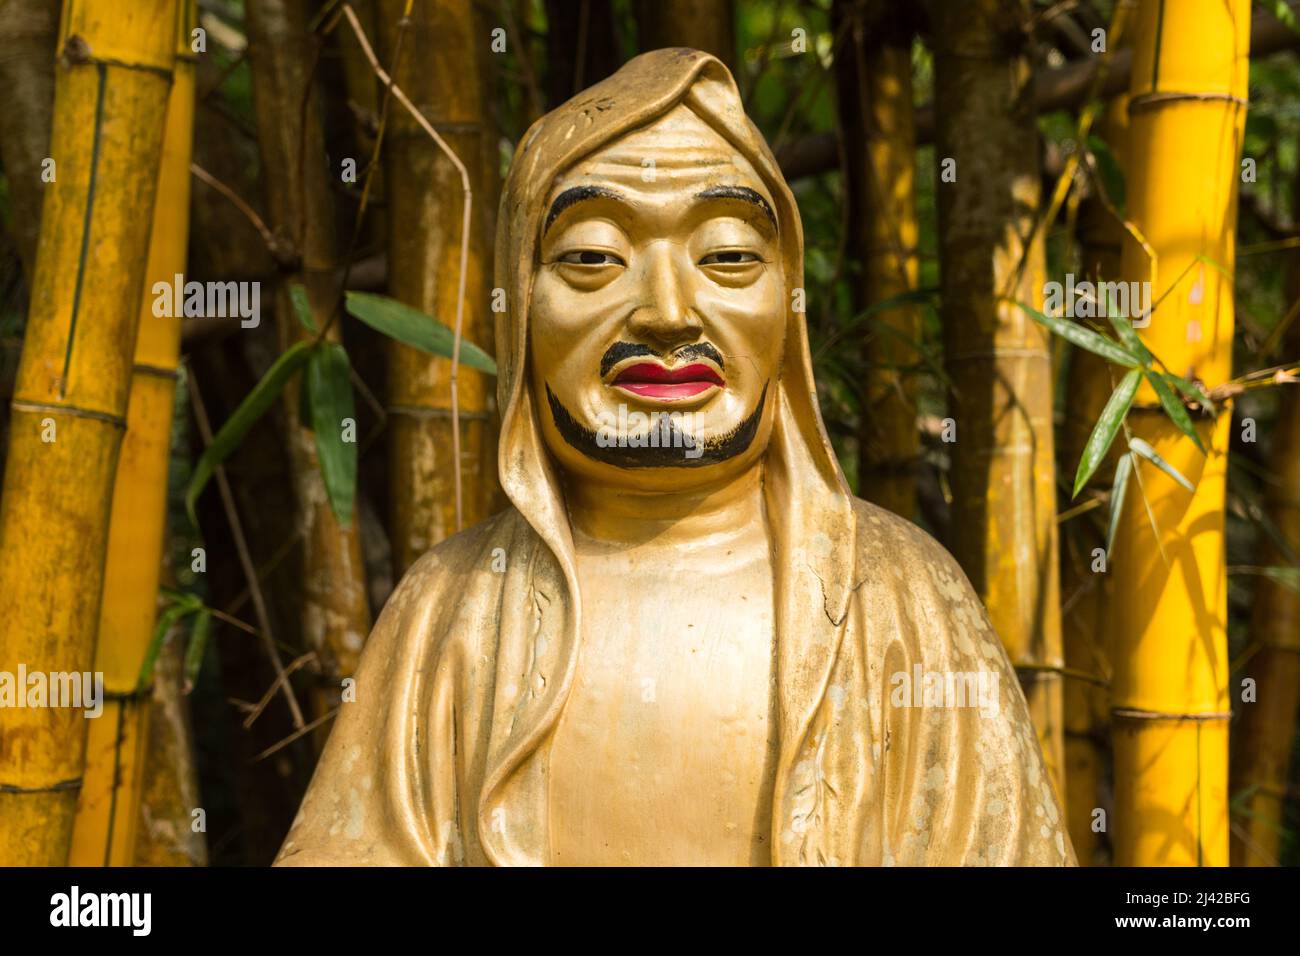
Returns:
(591, 257)
(731, 257)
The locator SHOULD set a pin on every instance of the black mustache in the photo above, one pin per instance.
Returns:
(668, 453)
(621, 350)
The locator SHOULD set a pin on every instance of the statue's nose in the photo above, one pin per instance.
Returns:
(666, 313)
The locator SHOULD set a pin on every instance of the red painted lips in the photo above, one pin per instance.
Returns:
(654, 381)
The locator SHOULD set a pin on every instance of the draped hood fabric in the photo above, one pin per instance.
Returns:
(441, 758)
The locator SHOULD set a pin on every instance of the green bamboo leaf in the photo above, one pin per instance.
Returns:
(1108, 425)
(329, 388)
(1081, 336)
(194, 650)
(1126, 333)
(1174, 408)
(1190, 391)
(1117, 490)
(252, 408)
(302, 307)
(166, 620)
(416, 329)
(191, 602)
(1287, 577)
(1150, 454)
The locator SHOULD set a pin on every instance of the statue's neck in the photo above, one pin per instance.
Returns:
(613, 514)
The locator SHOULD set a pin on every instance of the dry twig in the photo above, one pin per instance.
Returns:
(241, 546)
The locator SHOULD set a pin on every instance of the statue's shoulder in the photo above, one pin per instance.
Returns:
(911, 557)
(947, 625)
(883, 535)
(461, 572)
(468, 551)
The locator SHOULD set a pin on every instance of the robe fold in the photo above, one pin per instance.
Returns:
(459, 664)
(903, 736)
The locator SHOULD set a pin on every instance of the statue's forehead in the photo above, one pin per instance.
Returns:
(677, 151)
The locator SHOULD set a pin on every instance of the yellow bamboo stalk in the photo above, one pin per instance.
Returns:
(108, 805)
(439, 69)
(335, 612)
(1170, 691)
(111, 92)
(874, 72)
(1085, 591)
(1003, 467)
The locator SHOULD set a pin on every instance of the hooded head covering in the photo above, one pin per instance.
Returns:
(813, 518)
(640, 93)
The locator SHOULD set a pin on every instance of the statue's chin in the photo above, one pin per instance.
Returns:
(654, 440)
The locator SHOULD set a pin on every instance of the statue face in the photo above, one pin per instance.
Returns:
(658, 310)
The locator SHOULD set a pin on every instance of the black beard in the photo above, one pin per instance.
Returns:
(671, 445)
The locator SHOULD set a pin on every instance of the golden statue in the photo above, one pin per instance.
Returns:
(686, 642)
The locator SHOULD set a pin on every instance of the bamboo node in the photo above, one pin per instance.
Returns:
(39, 408)
(415, 411)
(1150, 100)
(60, 787)
(76, 52)
(156, 370)
(1134, 713)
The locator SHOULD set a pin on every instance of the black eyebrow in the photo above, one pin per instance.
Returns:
(575, 195)
(743, 193)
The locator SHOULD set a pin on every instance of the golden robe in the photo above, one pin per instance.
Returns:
(442, 758)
